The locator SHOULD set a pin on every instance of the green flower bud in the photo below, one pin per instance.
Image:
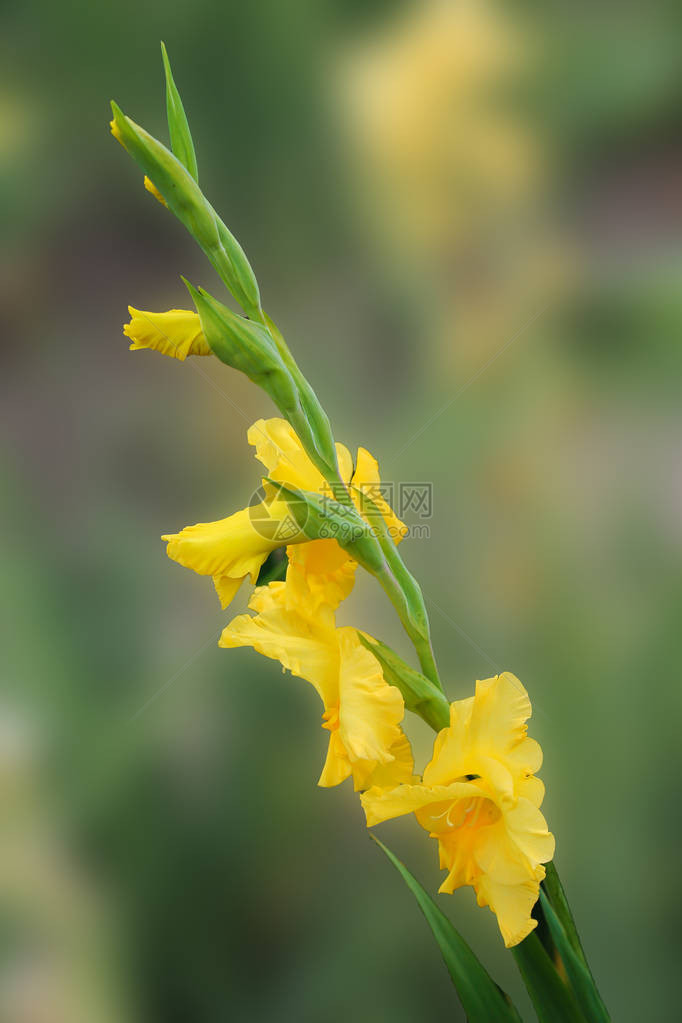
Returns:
(420, 696)
(246, 346)
(322, 518)
(178, 128)
(241, 273)
(184, 197)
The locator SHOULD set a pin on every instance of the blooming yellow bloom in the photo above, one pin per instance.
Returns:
(176, 333)
(480, 798)
(362, 712)
(237, 546)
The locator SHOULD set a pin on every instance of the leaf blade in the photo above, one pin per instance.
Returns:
(480, 996)
(552, 1000)
(557, 897)
(583, 985)
(178, 125)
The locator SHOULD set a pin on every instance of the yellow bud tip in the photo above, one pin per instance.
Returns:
(115, 131)
(151, 187)
(176, 333)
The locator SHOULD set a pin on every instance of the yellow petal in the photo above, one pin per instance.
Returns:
(115, 132)
(282, 454)
(319, 573)
(531, 788)
(399, 771)
(486, 730)
(367, 479)
(226, 588)
(236, 546)
(176, 333)
(512, 905)
(456, 851)
(383, 804)
(450, 747)
(309, 650)
(337, 765)
(265, 598)
(369, 709)
(369, 718)
(497, 727)
(527, 828)
(151, 187)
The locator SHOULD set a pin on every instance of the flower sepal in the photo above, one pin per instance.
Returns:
(421, 696)
(322, 518)
(178, 126)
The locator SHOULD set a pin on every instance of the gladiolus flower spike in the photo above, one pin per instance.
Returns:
(322, 509)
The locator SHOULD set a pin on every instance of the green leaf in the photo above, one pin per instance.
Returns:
(421, 696)
(552, 999)
(583, 985)
(557, 897)
(483, 1001)
(178, 127)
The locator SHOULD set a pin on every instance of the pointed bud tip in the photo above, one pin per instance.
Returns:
(194, 292)
(114, 122)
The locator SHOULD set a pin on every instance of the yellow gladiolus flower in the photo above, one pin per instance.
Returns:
(234, 547)
(362, 712)
(176, 333)
(480, 798)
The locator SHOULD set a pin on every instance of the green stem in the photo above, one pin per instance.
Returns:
(325, 458)
(419, 634)
(427, 660)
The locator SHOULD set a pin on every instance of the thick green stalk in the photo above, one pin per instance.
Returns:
(403, 590)
(418, 634)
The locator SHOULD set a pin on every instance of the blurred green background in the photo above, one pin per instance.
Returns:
(466, 218)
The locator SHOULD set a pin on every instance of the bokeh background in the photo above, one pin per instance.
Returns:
(466, 217)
